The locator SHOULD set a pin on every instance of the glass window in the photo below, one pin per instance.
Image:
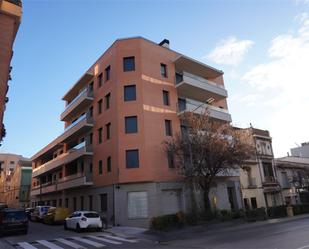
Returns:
(107, 73)
(163, 70)
(129, 64)
(109, 164)
(137, 205)
(253, 203)
(100, 167)
(91, 111)
(66, 202)
(100, 106)
(107, 101)
(100, 77)
(90, 138)
(129, 93)
(90, 168)
(108, 130)
(168, 128)
(166, 98)
(182, 104)
(103, 198)
(82, 203)
(74, 203)
(170, 159)
(132, 159)
(100, 135)
(131, 124)
(91, 87)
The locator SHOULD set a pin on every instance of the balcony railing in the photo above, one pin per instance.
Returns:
(81, 118)
(270, 180)
(197, 107)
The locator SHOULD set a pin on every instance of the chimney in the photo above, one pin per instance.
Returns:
(165, 43)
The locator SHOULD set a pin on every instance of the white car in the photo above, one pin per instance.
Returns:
(83, 220)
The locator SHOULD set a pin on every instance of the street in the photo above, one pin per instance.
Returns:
(288, 234)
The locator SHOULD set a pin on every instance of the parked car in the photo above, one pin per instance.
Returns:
(29, 211)
(13, 220)
(56, 215)
(39, 213)
(81, 220)
(3, 205)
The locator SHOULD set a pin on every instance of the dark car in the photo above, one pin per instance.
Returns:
(29, 211)
(13, 220)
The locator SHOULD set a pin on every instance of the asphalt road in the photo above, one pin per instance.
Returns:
(290, 234)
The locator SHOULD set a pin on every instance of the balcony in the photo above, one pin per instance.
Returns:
(198, 88)
(270, 180)
(78, 151)
(188, 105)
(229, 173)
(80, 102)
(68, 182)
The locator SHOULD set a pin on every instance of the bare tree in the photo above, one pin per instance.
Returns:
(208, 148)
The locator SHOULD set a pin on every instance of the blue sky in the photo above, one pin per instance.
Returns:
(262, 46)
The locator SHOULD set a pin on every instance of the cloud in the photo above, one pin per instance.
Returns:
(230, 51)
(284, 83)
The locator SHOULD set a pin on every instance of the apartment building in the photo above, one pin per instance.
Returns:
(110, 156)
(301, 151)
(10, 18)
(17, 191)
(259, 183)
(8, 163)
(293, 175)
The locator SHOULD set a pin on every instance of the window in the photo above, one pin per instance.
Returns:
(166, 98)
(129, 64)
(131, 124)
(168, 127)
(109, 164)
(108, 130)
(66, 202)
(170, 159)
(137, 205)
(90, 168)
(246, 202)
(100, 135)
(268, 169)
(100, 167)
(90, 138)
(103, 198)
(132, 160)
(253, 203)
(90, 202)
(100, 77)
(74, 203)
(107, 100)
(182, 104)
(107, 73)
(91, 87)
(100, 106)
(91, 111)
(163, 70)
(82, 203)
(129, 93)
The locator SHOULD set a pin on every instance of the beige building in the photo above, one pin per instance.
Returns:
(293, 176)
(259, 182)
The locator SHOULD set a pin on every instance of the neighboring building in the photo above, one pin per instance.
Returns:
(10, 17)
(259, 183)
(301, 151)
(110, 157)
(17, 192)
(293, 175)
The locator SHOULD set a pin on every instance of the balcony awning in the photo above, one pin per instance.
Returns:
(82, 82)
(184, 63)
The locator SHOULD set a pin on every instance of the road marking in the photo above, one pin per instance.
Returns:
(119, 238)
(104, 240)
(303, 247)
(26, 245)
(89, 242)
(49, 244)
(71, 244)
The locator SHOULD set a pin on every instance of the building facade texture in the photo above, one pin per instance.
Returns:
(110, 157)
(10, 17)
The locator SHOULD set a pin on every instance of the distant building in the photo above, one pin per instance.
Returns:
(259, 183)
(293, 175)
(301, 151)
(17, 193)
(10, 18)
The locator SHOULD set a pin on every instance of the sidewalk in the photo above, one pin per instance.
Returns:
(211, 227)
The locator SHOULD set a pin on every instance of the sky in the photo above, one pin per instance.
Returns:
(262, 46)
